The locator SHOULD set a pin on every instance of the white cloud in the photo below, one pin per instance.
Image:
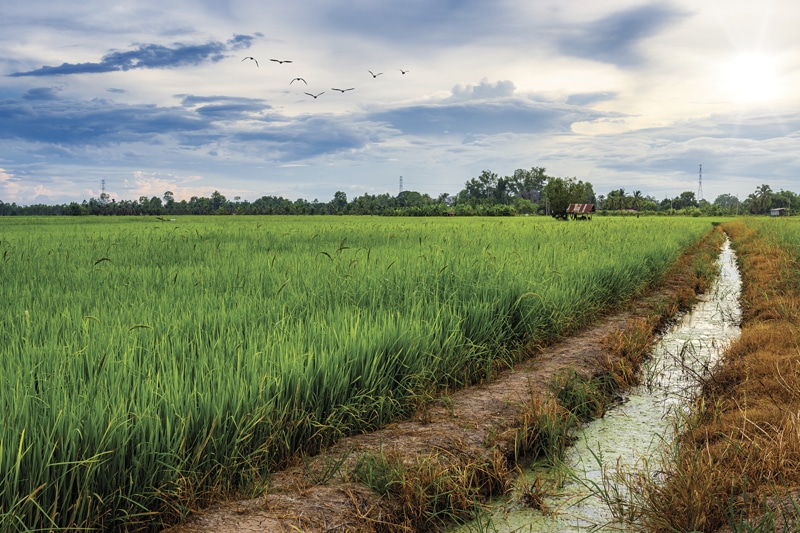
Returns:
(617, 92)
(484, 90)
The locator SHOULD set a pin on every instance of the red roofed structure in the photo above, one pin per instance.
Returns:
(583, 211)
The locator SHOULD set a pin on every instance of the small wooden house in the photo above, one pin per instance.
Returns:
(777, 212)
(580, 211)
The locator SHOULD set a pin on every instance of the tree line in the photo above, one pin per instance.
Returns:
(525, 192)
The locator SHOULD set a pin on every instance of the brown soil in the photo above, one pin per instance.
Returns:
(474, 422)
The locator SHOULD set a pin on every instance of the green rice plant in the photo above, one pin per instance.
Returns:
(381, 472)
(323, 468)
(148, 366)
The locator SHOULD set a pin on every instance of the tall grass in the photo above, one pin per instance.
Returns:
(148, 366)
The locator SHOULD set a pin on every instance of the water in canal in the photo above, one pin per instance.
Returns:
(638, 427)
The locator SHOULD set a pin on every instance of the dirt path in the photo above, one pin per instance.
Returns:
(472, 422)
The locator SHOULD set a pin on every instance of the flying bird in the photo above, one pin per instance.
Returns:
(281, 61)
(253, 58)
(298, 79)
(402, 71)
(342, 90)
(375, 75)
(315, 95)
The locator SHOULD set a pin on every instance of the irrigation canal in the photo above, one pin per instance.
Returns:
(638, 427)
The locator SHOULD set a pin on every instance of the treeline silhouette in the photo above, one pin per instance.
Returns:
(525, 192)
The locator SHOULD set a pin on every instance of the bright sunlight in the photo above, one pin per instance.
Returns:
(751, 78)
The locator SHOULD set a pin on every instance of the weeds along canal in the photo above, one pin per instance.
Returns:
(632, 433)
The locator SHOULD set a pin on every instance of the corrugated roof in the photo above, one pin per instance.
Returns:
(580, 208)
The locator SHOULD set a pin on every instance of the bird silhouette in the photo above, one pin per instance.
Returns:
(342, 90)
(315, 96)
(281, 61)
(402, 71)
(253, 58)
(298, 79)
(375, 75)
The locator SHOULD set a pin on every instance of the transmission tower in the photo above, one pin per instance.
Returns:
(700, 185)
(401, 183)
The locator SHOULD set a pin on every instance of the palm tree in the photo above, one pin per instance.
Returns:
(637, 200)
(763, 197)
(617, 198)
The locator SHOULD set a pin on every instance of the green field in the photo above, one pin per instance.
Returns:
(148, 364)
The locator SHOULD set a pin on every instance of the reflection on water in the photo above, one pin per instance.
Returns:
(637, 427)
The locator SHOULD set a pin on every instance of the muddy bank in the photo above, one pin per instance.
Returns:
(469, 438)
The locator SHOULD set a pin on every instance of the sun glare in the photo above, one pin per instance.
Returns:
(751, 78)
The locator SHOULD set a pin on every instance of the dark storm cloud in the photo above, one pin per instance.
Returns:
(148, 56)
(615, 39)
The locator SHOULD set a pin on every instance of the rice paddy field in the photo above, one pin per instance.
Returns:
(149, 365)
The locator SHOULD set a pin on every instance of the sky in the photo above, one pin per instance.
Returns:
(140, 98)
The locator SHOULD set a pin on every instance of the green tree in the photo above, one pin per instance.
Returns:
(527, 183)
(560, 192)
(218, 201)
(480, 190)
(786, 199)
(763, 198)
(727, 203)
(617, 199)
(339, 202)
(169, 199)
(637, 200)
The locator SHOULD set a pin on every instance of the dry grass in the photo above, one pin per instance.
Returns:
(443, 486)
(737, 460)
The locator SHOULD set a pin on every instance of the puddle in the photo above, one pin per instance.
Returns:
(637, 427)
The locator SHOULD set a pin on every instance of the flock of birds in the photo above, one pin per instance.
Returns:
(315, 96)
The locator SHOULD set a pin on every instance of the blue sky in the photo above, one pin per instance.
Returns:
(157, 96)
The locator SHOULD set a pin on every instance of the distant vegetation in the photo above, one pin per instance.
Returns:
(525, 192)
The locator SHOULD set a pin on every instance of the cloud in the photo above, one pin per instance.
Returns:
(225, 107)
(585, 99)
(413, 21)
(483, 90)
(156, 184)
(148, 56)
(74, 122)
(247, 127)
(41, 93)
(484, 118)
(616, 38)
(309, 137)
